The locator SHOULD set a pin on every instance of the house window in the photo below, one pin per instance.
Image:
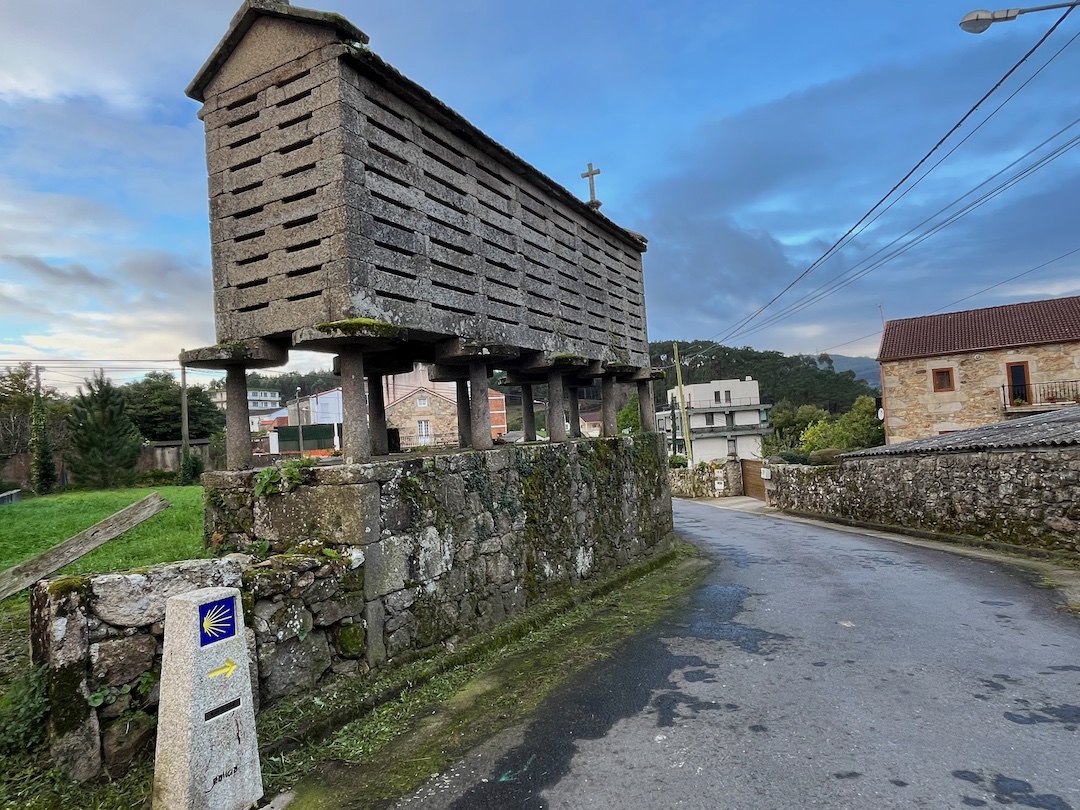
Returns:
(423, 431)
(727, 396)
(716, 396)
(729, 419)
(943, 379)
(710, 419)
(764, 416)
(421, 402)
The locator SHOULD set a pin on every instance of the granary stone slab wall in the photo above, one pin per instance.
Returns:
(368, 563)
(1020, 497)
(341, 190)
(913, 410)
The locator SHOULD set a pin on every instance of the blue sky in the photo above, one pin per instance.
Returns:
(741, 139)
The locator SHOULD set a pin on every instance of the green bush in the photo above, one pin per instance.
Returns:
(794, 457)
(191, 467)
(678, 462)
(22, 712)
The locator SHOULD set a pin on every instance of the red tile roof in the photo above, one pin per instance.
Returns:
(1028, 324)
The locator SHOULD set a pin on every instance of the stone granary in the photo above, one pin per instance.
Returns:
(353, 213)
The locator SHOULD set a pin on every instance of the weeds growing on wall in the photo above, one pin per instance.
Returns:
(284, 476)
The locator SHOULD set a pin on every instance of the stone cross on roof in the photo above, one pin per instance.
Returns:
(591, 174)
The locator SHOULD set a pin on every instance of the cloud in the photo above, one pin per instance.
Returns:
(757, 195)
(75, 274)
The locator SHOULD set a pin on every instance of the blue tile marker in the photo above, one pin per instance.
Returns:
(217, 621)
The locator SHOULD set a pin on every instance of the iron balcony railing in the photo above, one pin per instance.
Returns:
(1059, 392)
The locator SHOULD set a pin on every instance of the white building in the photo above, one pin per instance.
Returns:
(727, 418)
(260, 405)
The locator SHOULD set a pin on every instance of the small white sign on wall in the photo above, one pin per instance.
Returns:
(766, 473)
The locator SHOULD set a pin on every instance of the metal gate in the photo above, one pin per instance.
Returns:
(752, 482)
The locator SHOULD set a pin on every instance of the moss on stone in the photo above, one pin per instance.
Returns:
(368, 327)
(352, 641)
(64, 586)
(353, 579)
(68, 708)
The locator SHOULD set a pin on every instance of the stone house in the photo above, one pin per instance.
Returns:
(727, 418)
(958, 370)
(423, 417)
(427, 416)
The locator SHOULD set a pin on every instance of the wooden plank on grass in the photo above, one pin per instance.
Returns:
(27, 573)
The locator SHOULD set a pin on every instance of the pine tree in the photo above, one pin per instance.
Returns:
(105, 442)
(42, 464)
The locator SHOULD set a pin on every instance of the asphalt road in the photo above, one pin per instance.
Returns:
(815, 668)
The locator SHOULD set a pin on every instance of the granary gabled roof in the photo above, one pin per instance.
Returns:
(1031, 323)
(1056, 429)
(245, 17)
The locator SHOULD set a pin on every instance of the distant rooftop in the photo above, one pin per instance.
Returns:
(1056, 320)
(1056, 429)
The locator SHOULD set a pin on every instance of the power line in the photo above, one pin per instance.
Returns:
(840, 243)
(969, 297)
(853, 274)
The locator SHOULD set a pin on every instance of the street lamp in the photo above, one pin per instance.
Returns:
(975, 22)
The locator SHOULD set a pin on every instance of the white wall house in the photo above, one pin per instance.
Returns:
(260, 405)
(727, 418)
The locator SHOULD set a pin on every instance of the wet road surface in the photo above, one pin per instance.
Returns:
(815, 668)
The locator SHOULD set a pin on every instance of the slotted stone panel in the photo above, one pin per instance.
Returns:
(341, 190)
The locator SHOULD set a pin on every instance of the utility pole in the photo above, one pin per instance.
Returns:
(184, 435)
(682, 407)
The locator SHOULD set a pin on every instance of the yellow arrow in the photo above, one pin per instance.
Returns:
(227, 669)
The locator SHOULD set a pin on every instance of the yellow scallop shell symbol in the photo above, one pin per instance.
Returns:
(217, 621)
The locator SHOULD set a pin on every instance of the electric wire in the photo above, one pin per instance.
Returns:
(836, 246)
(841, 243)
(853, 274)
(968, 297)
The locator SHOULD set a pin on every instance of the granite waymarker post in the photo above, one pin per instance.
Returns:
(207, 754)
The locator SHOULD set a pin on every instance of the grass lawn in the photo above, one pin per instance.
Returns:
(30, 527)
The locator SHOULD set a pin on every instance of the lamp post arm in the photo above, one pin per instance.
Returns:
(975, 22)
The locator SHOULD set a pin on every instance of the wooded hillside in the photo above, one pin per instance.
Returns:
(800, 379)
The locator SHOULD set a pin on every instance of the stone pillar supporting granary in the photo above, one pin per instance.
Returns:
(609, 407)
(355, 429)
(464, 414)
(556, 420)
(236, 358)
(574, 412)
(528, 413)
(352, 212)
(646, 405)
(380, 441)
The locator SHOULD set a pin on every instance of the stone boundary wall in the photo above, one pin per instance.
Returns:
(712, 480)
(1020, 497)
(371, 563)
